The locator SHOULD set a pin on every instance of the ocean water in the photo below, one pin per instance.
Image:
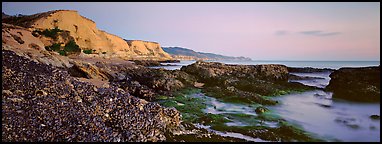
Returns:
(314, 64)
(328, 118)
(314, 111)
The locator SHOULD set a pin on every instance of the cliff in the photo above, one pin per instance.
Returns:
(146, 49)
(188, 54)
(21, 41)
(88, 36)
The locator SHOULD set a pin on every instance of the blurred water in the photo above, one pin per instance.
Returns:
(315, 111)
(322, 80)
(331, 119)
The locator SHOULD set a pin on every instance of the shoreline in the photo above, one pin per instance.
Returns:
(245, 84)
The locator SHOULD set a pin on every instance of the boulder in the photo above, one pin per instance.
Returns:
(88, 70)
(242, 83)
(375, 117)
(215, 70)
(148, 83)
(356, 84)
(261, 109)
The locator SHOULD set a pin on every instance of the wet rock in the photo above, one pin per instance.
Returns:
(242, 83)
(147, 63)
(149, 83)
(170, 61)
(260, 110)
(324, 105)
(375, 117)
(196, 134)
(296, 77)
(349, 122)
(233, 95)
(356, 84)
(211, 70)
(308, 70)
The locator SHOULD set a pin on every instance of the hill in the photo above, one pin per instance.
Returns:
(188, 54)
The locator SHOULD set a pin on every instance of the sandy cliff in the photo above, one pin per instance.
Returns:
(147, 49)
(88, 36)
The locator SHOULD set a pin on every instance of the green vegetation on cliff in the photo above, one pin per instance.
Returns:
(70, 48)
(52, 33)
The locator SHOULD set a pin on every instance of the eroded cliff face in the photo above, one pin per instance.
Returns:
(147, 50)
(88, 36)
(22, 42)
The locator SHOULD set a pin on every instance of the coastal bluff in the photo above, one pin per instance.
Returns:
(88, 37)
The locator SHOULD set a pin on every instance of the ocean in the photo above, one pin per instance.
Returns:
(314, 64)
(315, 111)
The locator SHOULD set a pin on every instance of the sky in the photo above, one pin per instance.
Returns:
(261, 31)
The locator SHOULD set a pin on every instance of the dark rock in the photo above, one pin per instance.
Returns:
(324, 105)
(148, 83)
(356, 84)
(349, 122)
(147, 62)
(242, 83)
(308, 70)
(214, 70)
(260, 110)
(170, 61)
(3, 15)
(375, 117)
(43, 103)
(195, 134)
(296, 77)
(232, 94)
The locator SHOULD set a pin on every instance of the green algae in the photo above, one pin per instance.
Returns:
(254, 125)
(191, 108)
(287, 91)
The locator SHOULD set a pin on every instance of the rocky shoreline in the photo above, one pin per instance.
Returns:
(111, 112)
(65, 83)
(118, 108)
(42, 103)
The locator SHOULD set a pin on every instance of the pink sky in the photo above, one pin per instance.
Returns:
(261, 31)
